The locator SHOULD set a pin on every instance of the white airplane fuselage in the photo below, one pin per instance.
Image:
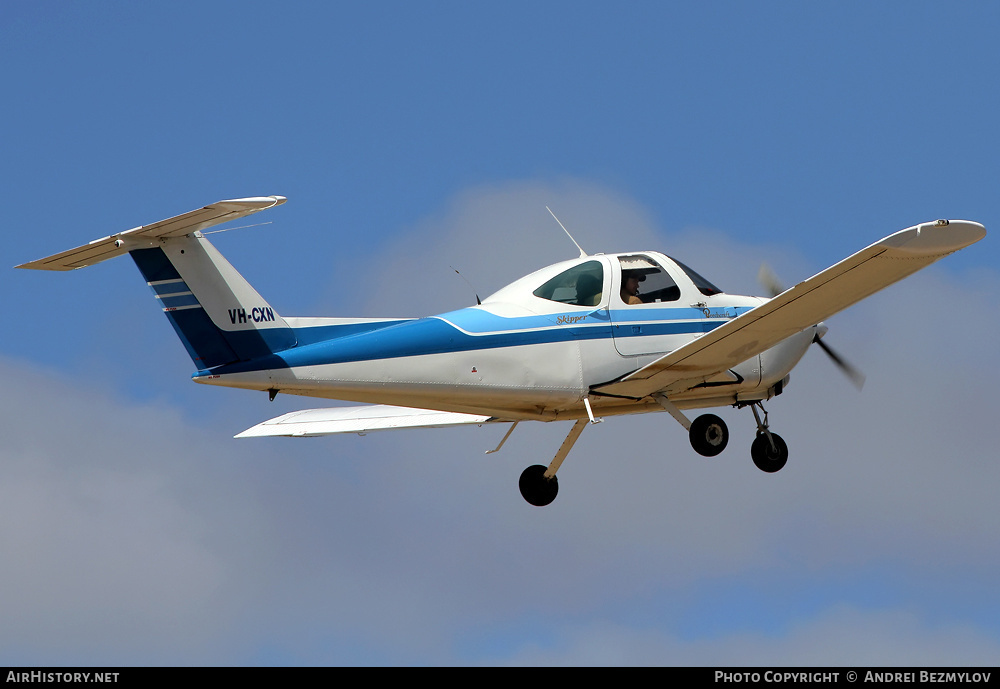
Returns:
(517, 355)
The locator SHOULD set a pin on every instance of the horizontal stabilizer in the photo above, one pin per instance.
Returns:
(376, 417)
(178, 226)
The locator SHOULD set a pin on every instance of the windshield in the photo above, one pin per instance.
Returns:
(703, 285)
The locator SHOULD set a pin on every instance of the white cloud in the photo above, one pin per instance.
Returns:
(492, 235)
(840, 637)
(111, 542)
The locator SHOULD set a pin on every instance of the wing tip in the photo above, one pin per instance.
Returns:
(936, 238)
(259, 202)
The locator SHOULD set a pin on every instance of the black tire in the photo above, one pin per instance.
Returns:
(709, 435)
(765, 457)
(535, 488)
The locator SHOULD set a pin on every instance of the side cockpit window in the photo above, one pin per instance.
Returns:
(645, 282)
(581, 285)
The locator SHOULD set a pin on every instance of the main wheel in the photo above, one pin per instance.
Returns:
(709, 435)
(535, 488)
(764, 455)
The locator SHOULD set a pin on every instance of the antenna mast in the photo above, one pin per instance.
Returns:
(478, 300)
(582, 252)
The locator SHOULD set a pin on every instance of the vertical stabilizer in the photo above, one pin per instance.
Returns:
(218, 316)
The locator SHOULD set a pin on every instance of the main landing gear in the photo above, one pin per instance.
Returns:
(709, 436)
(538, 484)
(536, 488)
(708, 433)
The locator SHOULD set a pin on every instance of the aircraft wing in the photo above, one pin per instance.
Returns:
(178, 226)
(798, 308)
(373, 417)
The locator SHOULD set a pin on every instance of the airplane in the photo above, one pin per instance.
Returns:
(592, 337)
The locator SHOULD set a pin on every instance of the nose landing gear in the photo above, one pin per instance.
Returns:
(768, 451)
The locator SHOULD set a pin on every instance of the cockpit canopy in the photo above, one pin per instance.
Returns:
(583, 282)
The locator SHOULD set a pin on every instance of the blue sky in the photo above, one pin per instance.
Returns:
(410, 137)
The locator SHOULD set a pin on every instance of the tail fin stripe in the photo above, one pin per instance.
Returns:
(175, 301)
(155, 267)
(169, 287)
(204, 342)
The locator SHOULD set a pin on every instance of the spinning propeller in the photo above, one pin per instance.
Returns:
(773, 285)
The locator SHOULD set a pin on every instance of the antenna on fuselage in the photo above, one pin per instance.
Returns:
(582, 252)
(478, 300)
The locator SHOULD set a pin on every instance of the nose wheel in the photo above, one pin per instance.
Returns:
(768, 451)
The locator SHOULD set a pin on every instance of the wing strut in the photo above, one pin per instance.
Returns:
(504, 439)
(674, 411)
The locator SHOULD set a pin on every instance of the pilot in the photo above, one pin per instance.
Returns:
(630, 287)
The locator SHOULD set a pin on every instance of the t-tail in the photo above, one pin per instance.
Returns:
(218, 316)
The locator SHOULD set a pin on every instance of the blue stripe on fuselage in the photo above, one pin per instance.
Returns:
(641, 314)
(444, 334)
(308, 335)
(479, 321)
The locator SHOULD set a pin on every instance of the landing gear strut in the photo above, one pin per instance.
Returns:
(538, 484)
(769, 451)
(708, 434)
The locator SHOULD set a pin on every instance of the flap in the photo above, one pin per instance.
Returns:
(375, 417)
